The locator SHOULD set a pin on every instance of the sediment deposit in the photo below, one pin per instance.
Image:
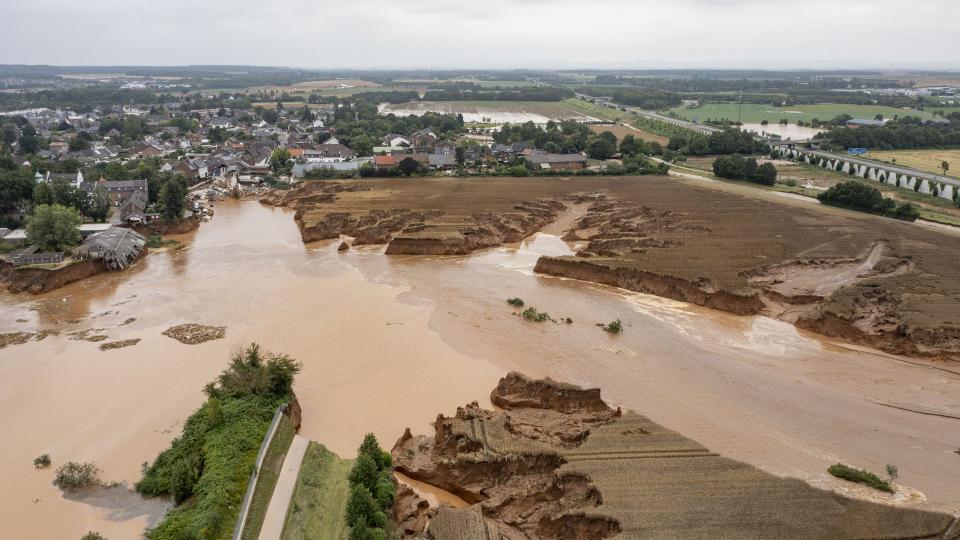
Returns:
(557, 462)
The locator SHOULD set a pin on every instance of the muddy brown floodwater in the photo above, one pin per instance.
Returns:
(388, 341)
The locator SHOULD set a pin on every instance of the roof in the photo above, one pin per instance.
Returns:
(384, 161)
(556, 158)
(865, 122)
(442, 160)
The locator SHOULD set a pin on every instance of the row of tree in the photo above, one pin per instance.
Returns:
(858, 196)
(729, 141)
(901, 134)
(735, 167)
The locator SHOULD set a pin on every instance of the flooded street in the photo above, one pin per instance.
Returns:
(389, 342)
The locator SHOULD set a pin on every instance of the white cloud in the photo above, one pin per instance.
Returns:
(488, 33)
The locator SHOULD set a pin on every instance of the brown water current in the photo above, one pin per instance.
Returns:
(390, 341)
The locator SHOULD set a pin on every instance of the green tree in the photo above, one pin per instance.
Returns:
(363, 510)
(307, 115)
(365, 472)
(100, 204)
(8, 134)
(29, 140)
(280, 161)
(460, 155)
(43, 194)
(601, 148)
(54, 227)
(945, 166)
(408, 166)
(173, 200)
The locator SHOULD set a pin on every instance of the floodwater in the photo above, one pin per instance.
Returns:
(389, 342)
(788, 132)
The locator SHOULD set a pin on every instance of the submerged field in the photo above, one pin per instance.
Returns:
(750, 113)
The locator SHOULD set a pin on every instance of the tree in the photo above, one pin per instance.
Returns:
(892, 472)
(307, 115)
(70, 195)
(54, 227)
(279, 161)
(945, 166)
(29, 141)
(43, 194)
(363, 510)
(408, 166)
(766, 174)
(100, 204)
(601, 148)
(173, 200)
(16, 185)
(78, 143)
(8, 134)
(460, 155)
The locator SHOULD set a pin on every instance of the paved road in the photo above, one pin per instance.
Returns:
(283, 492)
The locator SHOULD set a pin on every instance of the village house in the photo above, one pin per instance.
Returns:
(557, 161)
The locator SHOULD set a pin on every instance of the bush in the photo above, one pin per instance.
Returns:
(614, 327)
(515, 302)
(531, 314)
(93, 536)
(42, 462)
(847, 472)
(73, 475)
(735, 167)
(854, 195)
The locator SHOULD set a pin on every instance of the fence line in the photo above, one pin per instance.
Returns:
(252, 483)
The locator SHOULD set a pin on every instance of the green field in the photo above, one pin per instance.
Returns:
(754, 113)
(481, 83)
(318, 507)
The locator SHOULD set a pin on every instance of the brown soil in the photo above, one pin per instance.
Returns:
(41, 280)
(423, 216)
(872, 281)
(557, 462)
(193, 334)
(742, 252)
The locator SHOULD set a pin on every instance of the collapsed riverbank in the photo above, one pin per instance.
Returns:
(720, 250)
(747, 387)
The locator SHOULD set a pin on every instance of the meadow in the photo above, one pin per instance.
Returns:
(755, 113)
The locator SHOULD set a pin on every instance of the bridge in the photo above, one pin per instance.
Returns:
(893, 175)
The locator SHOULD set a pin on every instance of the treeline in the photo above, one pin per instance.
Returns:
(901, 134)
(729, 141)
(565, 137)
(83, 99)
(854, 195)
(735, 167)
(645, 98)
(478, 93)
(765, 85)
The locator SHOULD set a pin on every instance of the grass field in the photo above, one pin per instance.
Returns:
(320, 498)
(291, 105)
(267, 480)
(925, 160)
(753, 113)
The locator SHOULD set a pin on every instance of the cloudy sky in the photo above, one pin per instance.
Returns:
(484, 33)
